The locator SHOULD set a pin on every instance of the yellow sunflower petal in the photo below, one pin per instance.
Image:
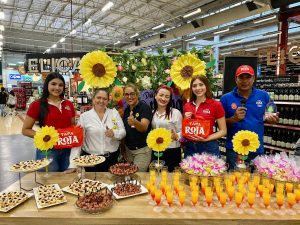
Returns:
(163, 135)
(248, 136)
(86, 69)
(52, 138)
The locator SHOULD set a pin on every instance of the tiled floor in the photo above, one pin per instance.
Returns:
(14, 147)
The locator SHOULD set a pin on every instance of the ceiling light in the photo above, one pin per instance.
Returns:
(54, 46)
(10, 68)
(4, 1)
(2, 15)
(20, 62)
(12, 64)
(135, 35)
(1, 43)
(1, 28)
(190, 39)
(48, 50)
(264, 19)
(88, 22)
(118, 42)
(192, 13)
(1, 36)
(73, 32)
(158, 26)
(62, 40)
(222, 31)
(107, 6)
(235, 41)
(272, 34)
(251, 49)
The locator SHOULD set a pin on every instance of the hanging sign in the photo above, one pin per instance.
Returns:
(70, 137)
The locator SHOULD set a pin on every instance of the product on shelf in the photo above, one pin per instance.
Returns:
(122, 169)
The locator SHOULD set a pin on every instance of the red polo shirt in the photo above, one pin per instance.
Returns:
(58, 118)
(209, 110)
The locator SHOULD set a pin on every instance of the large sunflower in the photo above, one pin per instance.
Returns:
(117, 93)
(98, 69)
(45, 138)
(185, 68)
(159, 139)
(245, 141)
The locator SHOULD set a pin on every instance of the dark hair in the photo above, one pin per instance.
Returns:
(96, 91)
(2, 89)
(43, 100)
(169, 105)
(204, 79)
(12, 93)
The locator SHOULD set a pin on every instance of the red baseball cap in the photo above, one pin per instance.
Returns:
(244, 69)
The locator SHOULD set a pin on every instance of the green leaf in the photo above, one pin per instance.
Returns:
(158, 154)
(155, 154)
(80, 86)
(211, 63)
(117, 82)
(169, 83)
(243, 157)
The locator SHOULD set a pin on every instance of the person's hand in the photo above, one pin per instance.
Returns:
(109, 132)
(240, 113)
(174, 136)
(200, 139)
(131, 119)
(188, 115)
(72, 170)
(272, 118)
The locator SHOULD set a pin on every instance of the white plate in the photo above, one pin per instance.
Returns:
(68, 190)
(56, 186)
(29, 195)
(101, 160)
(46, 163)
(143, 191)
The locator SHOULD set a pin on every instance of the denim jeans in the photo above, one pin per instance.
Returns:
(2, 106)
(210, 147)
(60, 159)
(232, 156)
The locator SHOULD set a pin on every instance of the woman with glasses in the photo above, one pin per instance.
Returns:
(137, 119)
(170, 118)
(103, 130)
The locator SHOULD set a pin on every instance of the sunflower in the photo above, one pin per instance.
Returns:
(45, 138)
(117, 93)
(98, 69)
(245, 141)
(185, 68)
(159, 139)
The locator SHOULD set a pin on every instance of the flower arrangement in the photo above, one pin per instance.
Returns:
(158, 140)
(278, 166)
(245, 141)
(45, 138)
(203, 165)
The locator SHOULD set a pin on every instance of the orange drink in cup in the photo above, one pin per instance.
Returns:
(297, 194)
(291, 199)
(251, 198)
(289, 187)
(182, 196)
(280, 199)
(223, 198)
(208, 196)
(170, 197)
(238, 199)
(152, 191)
(230, 192)
(266, 199)
(260, 189)
(158, 195)
(237, 175)
(195, 196)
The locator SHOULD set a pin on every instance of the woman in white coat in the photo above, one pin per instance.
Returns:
(103, 131)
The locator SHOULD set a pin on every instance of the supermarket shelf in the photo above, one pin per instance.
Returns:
(286, 103)
(276, 148)
(282, 126)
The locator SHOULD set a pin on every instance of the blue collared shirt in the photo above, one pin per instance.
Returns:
(254, 119)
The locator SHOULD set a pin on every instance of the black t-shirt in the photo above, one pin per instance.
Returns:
(3, 97)
(135, 139)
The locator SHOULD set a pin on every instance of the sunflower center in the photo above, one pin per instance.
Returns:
(99, 70)
(187, 71)
(159, 140)
(245, 142)
(47, 138)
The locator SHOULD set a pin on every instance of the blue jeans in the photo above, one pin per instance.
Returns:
(60, 159)
(2, 106)
(232, 156)
(210, 147)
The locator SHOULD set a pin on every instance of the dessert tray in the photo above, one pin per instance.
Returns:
(88, 160)
(95, 202)
(127, 189)
(123, 169)
(29, 165)
(48, 195)
(10, 200)
(84, 186)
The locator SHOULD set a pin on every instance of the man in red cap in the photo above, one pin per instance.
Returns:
(245, 110)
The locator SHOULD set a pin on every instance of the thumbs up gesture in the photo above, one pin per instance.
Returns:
(109, 132)
(131, 119)
(174, 136)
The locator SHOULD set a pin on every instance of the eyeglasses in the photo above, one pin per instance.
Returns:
(132, 94)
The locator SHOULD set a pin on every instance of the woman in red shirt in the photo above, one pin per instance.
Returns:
(51, 110)
(202, 106)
